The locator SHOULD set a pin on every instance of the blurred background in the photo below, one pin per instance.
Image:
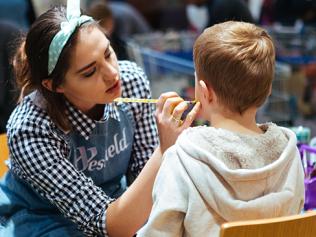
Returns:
(158, 35)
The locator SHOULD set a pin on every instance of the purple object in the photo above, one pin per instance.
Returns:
(310, 193)
(309, 181)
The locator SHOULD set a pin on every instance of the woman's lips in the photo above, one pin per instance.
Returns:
(114, 87)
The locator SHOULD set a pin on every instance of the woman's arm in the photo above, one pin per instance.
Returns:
(128, 213)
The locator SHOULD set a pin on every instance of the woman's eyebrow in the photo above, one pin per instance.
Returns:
(85, 67)
(91, 64)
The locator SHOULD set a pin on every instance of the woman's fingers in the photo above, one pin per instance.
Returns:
(162, 99)
(191, 115)
(170, 105)
(169, 111)
(179, 109)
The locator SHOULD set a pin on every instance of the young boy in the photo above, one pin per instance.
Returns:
(235, 169)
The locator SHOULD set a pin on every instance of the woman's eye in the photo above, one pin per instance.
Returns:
(108, 54)
(89, 73)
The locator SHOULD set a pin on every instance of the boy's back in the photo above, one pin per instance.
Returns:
(212, 176)
(235, 169)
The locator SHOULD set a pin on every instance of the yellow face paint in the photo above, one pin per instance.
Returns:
(139, 100)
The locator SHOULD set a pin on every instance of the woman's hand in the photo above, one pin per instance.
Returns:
(170, 108)
(129, 212)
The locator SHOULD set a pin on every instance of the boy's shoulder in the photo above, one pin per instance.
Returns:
(197, 129)
(193, 133)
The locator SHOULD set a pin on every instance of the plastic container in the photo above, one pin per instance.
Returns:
(310, 176)
(303, 134)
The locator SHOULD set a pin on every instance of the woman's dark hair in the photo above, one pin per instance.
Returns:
(31, 63)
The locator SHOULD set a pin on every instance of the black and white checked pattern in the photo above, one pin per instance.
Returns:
(39, 152)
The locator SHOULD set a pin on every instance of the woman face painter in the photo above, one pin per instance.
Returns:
(73, 151)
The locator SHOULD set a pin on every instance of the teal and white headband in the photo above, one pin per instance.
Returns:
(67, 29)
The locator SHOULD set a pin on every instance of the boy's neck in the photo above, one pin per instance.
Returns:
(245, 123)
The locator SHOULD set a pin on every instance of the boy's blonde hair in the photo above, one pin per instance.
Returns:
(237, 60)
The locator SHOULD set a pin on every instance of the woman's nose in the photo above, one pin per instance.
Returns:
(109, 71)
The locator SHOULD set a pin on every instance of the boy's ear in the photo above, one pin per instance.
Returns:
(270, 90)
(206, 93)
(48, 84)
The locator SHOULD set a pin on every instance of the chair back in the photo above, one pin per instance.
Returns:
(302, 225)
(4, 153)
